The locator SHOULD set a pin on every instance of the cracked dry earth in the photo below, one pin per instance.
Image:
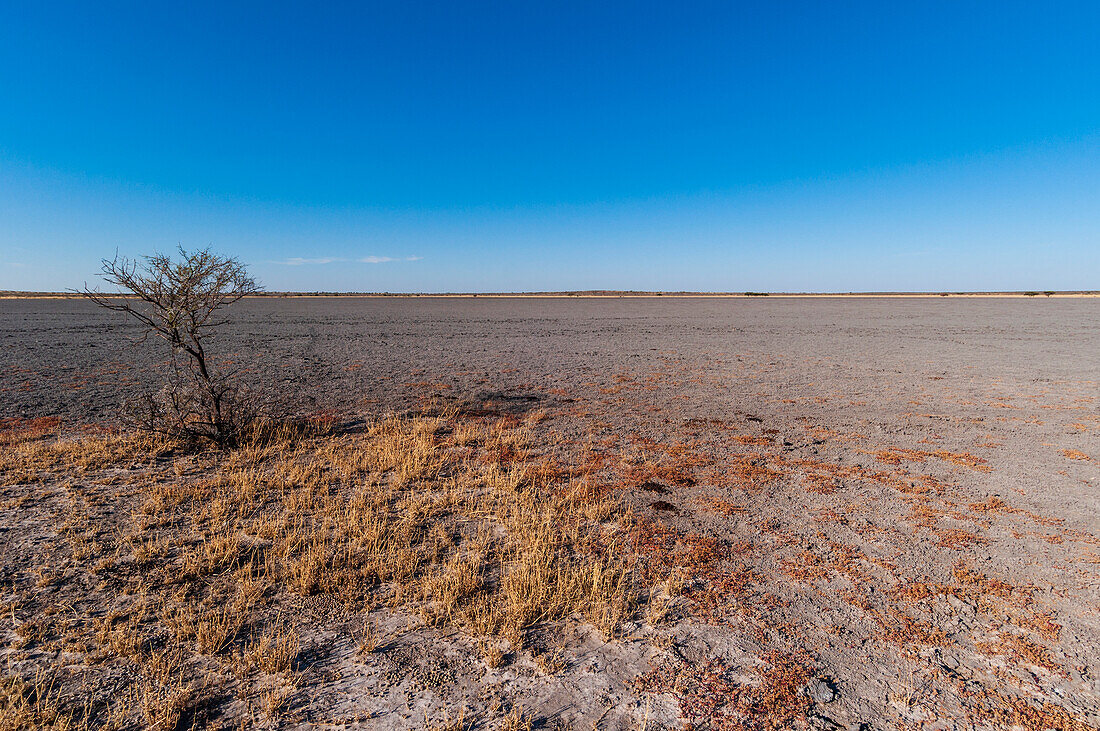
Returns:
(833, 513)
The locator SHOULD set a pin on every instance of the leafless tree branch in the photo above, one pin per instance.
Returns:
(177, 300)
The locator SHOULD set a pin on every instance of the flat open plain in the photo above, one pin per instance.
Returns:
(841, 513)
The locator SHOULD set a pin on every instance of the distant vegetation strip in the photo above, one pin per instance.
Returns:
(622, 293)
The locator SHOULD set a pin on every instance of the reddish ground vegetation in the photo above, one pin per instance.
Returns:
(714, 695)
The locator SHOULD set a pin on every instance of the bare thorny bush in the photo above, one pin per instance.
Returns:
(179, 301)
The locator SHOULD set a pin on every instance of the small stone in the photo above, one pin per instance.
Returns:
(821, 691)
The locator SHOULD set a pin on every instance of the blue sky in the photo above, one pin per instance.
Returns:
(517, 146)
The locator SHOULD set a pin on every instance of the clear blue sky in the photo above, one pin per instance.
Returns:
(519, 146)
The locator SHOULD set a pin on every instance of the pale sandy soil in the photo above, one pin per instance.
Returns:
(891, 503)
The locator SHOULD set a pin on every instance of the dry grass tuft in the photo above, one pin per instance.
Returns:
(458, 519)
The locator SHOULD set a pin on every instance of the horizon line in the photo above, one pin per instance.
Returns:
(609, 293)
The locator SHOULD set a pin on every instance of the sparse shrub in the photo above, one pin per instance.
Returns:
(179, 301)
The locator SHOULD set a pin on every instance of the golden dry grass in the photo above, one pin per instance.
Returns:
(171, 566)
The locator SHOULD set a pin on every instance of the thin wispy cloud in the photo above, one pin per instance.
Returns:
(297, 261)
